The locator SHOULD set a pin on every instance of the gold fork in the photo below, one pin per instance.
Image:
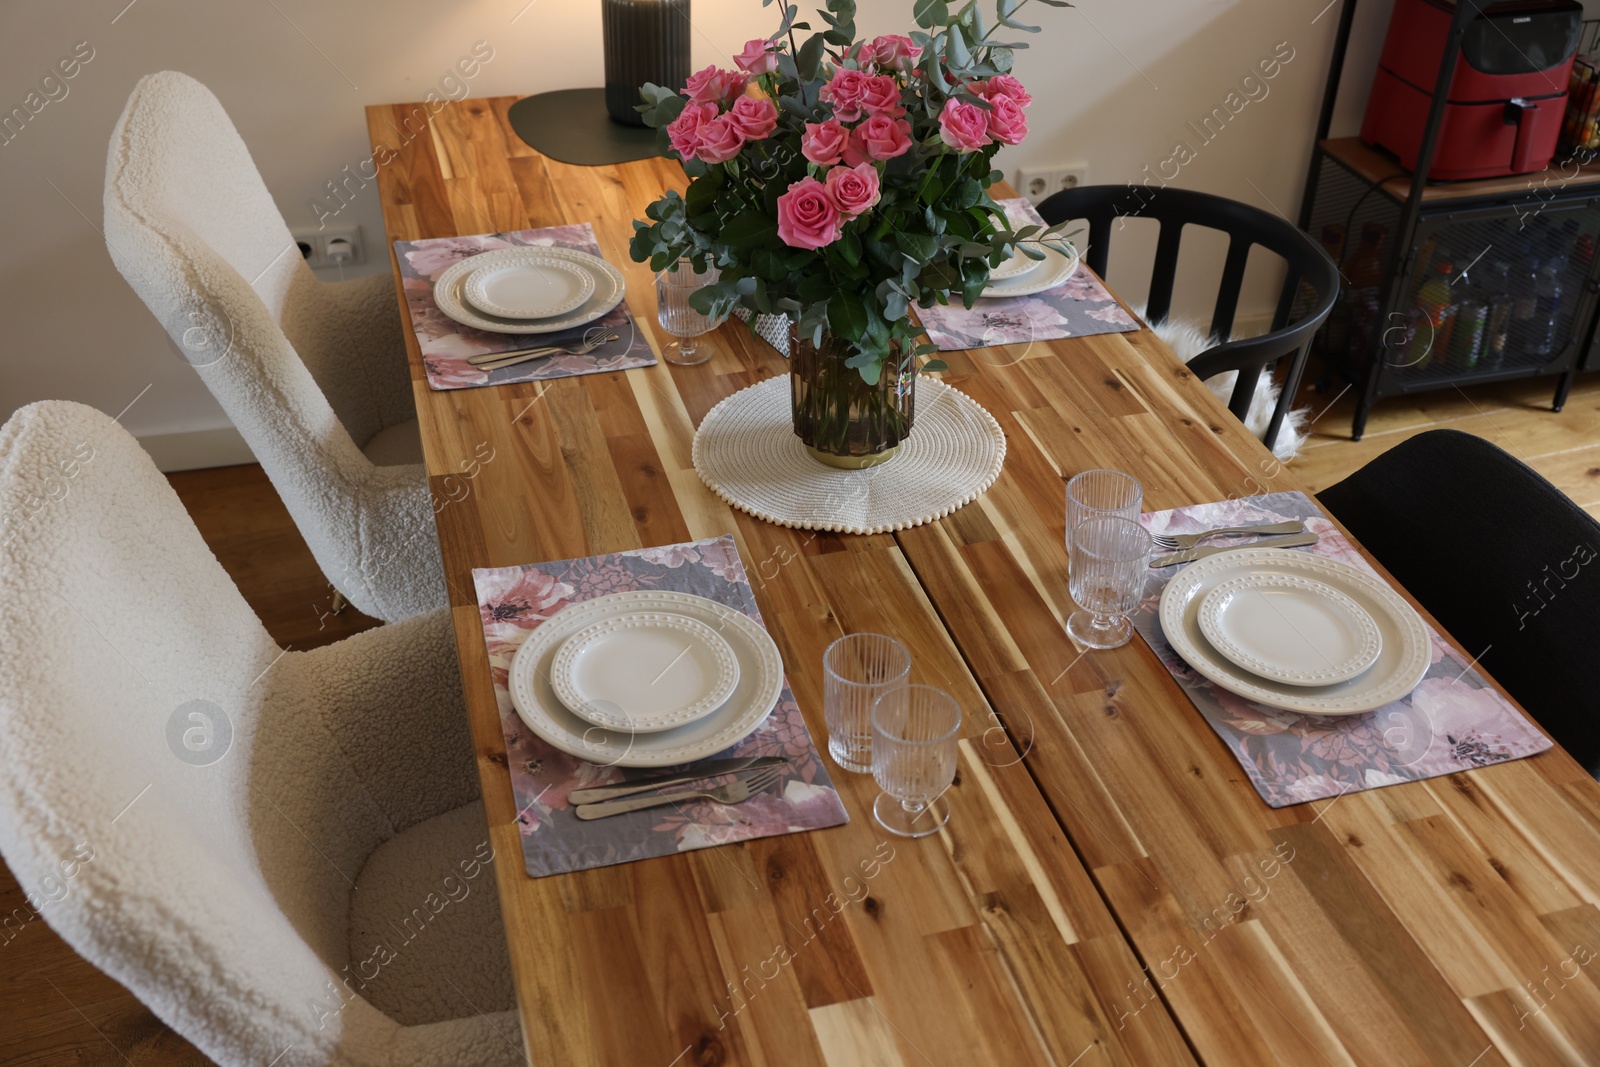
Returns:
(496, 360)
(733, 793)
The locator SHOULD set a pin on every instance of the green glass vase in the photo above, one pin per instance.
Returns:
(843, 421)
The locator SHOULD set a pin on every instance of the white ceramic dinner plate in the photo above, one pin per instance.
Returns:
(609, 289)
(1014, 267)
(645, 671)
(527, 284)
(754, 694)
(1400, 664)
(1055, 270)
(1289, 628)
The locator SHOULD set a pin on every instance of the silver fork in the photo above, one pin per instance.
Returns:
(496, 360)
(1184, 542)
(733, 793)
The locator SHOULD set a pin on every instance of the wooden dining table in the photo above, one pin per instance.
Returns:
(1110, 888)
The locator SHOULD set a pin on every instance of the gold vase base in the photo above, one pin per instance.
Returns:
(853, 463)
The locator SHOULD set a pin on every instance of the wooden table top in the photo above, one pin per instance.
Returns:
(1110, 888)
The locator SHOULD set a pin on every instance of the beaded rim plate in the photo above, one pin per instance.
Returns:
(1402, 662)
(645, 671)
(527, 284)
(1294, 630)
(1055, 270)
(754, 695)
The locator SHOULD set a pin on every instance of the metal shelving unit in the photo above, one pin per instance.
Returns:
(1375, 342)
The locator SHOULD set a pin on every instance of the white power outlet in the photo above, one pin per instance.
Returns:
(334, 247)
(1040, 183)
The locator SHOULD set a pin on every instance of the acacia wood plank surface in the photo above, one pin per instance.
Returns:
(986, 944)
(1449, 922)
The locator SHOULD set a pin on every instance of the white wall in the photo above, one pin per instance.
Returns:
(1115, 82)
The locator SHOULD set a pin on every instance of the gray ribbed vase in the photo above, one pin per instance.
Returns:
(645, 41)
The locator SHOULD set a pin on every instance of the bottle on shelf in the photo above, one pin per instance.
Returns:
(1431, 345)
(1363, 275)
(1471, 321)
(1496, 290)
(1548, 291)
(1524, 307)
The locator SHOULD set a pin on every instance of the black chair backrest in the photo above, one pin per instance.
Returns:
(1246, 228)
(1506, 563)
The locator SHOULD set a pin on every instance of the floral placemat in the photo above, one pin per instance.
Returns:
(446, 344)
(1079, 307)
(514, 601)
(1453, 721)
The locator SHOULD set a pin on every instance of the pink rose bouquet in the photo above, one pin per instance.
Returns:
(838, 181)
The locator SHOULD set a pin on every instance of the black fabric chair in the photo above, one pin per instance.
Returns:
(1506, 562)
(1246, 228)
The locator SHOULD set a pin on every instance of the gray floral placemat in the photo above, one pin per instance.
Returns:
(1079, 307)
(1454, 720)
(514, 601)
(446, 344)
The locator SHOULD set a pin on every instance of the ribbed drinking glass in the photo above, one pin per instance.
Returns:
(1098, 493)
(915, 731)
(1110, 556)
(856, 670)
(674, 287)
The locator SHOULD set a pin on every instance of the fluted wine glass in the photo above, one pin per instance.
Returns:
(1110, 556)
(1095, 493)
(674, 287)
(915, 731)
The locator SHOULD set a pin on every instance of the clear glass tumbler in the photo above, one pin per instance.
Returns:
(915, 731)
(856, 670)
(1110, 556)
(674, 287)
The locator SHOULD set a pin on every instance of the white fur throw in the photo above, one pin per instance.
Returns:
(305, 369)
(192, 808)
(1189, 341)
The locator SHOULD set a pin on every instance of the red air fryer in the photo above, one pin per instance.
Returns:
(1508, 96)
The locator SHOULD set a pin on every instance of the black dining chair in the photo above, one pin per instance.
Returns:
(1246, 228)
(1503, 559)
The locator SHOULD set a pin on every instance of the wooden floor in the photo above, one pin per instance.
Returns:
(57, 1009)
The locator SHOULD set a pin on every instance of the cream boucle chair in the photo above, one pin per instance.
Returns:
(304, 368)
(282, 854)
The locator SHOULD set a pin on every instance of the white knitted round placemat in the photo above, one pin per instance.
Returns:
(747, 452)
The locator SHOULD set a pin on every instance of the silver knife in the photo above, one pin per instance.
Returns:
(1292, 541)
(641, 785)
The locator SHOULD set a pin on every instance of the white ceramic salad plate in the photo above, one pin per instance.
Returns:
(1054, 270)
(754, 694)
(1289, 628)
(527, 284)
(645, 671)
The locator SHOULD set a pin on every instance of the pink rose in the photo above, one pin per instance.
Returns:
(894, 52)
(880, 137)
(844, 93)
(964, 126)
(684, 131)
(1007, 123)
(755, 117)
(714, 86)
(758, 58)
(880, 95)
(1003, 85)
(854, 189)
(807, 217)
(720, 138)
(862, 53)
(824, 142)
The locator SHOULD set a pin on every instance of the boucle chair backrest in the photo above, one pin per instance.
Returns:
(205, 887)
(191, 226)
